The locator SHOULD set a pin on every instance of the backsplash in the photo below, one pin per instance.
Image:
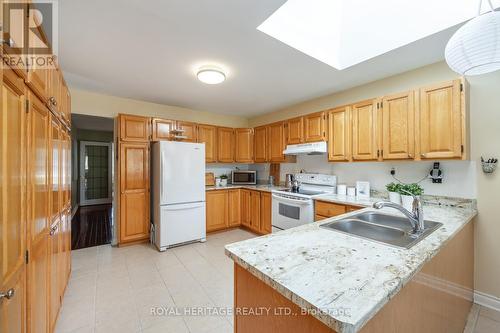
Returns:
(224, 169)
(459, 176)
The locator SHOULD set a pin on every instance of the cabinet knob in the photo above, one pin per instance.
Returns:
(8, 295)
(9, 42)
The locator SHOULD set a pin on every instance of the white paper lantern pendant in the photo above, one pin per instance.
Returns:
(475, 48)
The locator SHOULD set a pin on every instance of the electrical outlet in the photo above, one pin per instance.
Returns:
(393, 171)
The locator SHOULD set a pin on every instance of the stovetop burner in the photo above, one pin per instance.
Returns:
(302, 191)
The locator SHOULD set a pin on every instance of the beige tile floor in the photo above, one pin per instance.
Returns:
(114, 289)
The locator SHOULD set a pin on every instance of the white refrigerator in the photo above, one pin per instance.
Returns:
(178, 184)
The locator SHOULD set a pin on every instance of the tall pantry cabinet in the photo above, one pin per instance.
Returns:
(35, 191)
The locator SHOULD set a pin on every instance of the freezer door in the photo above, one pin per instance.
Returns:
(182, 172)
(180, 224)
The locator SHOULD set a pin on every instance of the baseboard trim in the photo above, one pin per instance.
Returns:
(486, 300)
(73, 212)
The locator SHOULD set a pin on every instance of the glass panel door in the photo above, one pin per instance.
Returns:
(95, 173)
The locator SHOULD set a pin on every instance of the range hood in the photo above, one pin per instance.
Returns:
(314, 148)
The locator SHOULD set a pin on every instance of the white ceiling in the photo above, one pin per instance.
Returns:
(149, 50)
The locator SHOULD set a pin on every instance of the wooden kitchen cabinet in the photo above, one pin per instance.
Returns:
(364, 131)
(295, 130)
(208, 135)
(441, 131)
(134, 128)
(189, 131)
(55, 99)
(260, 144)
(243, 145)
(315, 127)
(255, 211)
(245, 208)
(339, 134)
(55, 266)
(162, 128)
(234, 208)
(265, 213)
(225, 145)
(277, 142)
(217, 210)
(398, 126)
(55, 162)
(325, 209)
(134, 192)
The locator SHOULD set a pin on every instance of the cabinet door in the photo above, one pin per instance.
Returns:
(55, 175)
(255, 211)
(329, 209)
(339, 134)
(398, 130)
(54, 277)
(134, 191)
(217, 210)
(134, 128)
(189, 131)
(208, 135)
(315, 127)
(234, 208)
(265, 213)
(276, 141)
(441, 121)
(13, 196)
(162, 128)
(364, 127)
(295, 130)
(38, 81)
(245, 208)
(225, 145)
(243, 145)
(55, 91)
(260, 144)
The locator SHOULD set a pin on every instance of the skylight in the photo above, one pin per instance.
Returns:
(343, 33)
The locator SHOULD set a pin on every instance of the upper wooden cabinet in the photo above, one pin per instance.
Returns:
(243, 145)
(315, 127)
(162, 129)
(55, 101)
(208, 135)
(134, 128)
(56, 163)
(188, 131)
(38, 81)
(339, 134)
(295, 130)
(364, 131)
(277, 144)
(398, 130)
(225, 145)
(441, 117)
(260, 144)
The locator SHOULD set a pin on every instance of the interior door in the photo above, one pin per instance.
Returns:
(95, 173)
(13, 217)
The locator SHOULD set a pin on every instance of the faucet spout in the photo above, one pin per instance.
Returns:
(416, 216)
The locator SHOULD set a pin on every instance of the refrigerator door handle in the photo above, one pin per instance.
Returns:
(185, 206)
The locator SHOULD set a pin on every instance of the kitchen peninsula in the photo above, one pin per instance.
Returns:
(335, 282)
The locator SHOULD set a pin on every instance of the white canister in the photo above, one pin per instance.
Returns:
(395, 197)
(351, 191)
(223, 182)
(407, 202)
(342, 189)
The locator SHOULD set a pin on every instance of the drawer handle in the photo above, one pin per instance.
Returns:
(8, 295)
(53, 231)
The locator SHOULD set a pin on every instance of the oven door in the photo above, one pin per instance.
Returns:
(291, 212)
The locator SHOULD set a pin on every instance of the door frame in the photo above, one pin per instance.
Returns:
(81, 177)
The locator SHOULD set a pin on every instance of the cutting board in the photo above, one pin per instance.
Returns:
(209, 179)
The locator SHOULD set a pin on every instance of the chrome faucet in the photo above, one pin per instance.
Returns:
(416, 216)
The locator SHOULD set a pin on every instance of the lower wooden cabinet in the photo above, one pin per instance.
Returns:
(55, 266)
(324, 209)
(239, 207)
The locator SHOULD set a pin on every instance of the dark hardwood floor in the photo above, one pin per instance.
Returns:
(91, 226)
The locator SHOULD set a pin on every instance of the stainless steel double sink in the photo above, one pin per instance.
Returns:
(388, 229)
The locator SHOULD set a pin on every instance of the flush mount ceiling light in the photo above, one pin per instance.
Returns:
(475, 48)
(211, 75)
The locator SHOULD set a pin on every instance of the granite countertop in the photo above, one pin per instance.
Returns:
(265, 188)
(342, 279)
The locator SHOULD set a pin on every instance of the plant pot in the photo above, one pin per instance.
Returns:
(223, 182)
(395, 197)
(407, 201)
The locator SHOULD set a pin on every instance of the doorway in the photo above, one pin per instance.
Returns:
(95, 173)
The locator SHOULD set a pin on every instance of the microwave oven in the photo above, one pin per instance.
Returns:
(244, 177)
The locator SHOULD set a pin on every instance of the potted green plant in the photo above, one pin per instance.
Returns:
(223, 180)
(407, 192)
(394, 195)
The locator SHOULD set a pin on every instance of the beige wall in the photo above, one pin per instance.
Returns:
(94, 104)
(485, 141)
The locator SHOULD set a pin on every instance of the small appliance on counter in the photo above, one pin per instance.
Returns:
(342, 189)
(289, 178)
(244, 177)
(351, 191)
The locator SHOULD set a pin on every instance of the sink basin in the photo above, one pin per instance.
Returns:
(387, 229)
